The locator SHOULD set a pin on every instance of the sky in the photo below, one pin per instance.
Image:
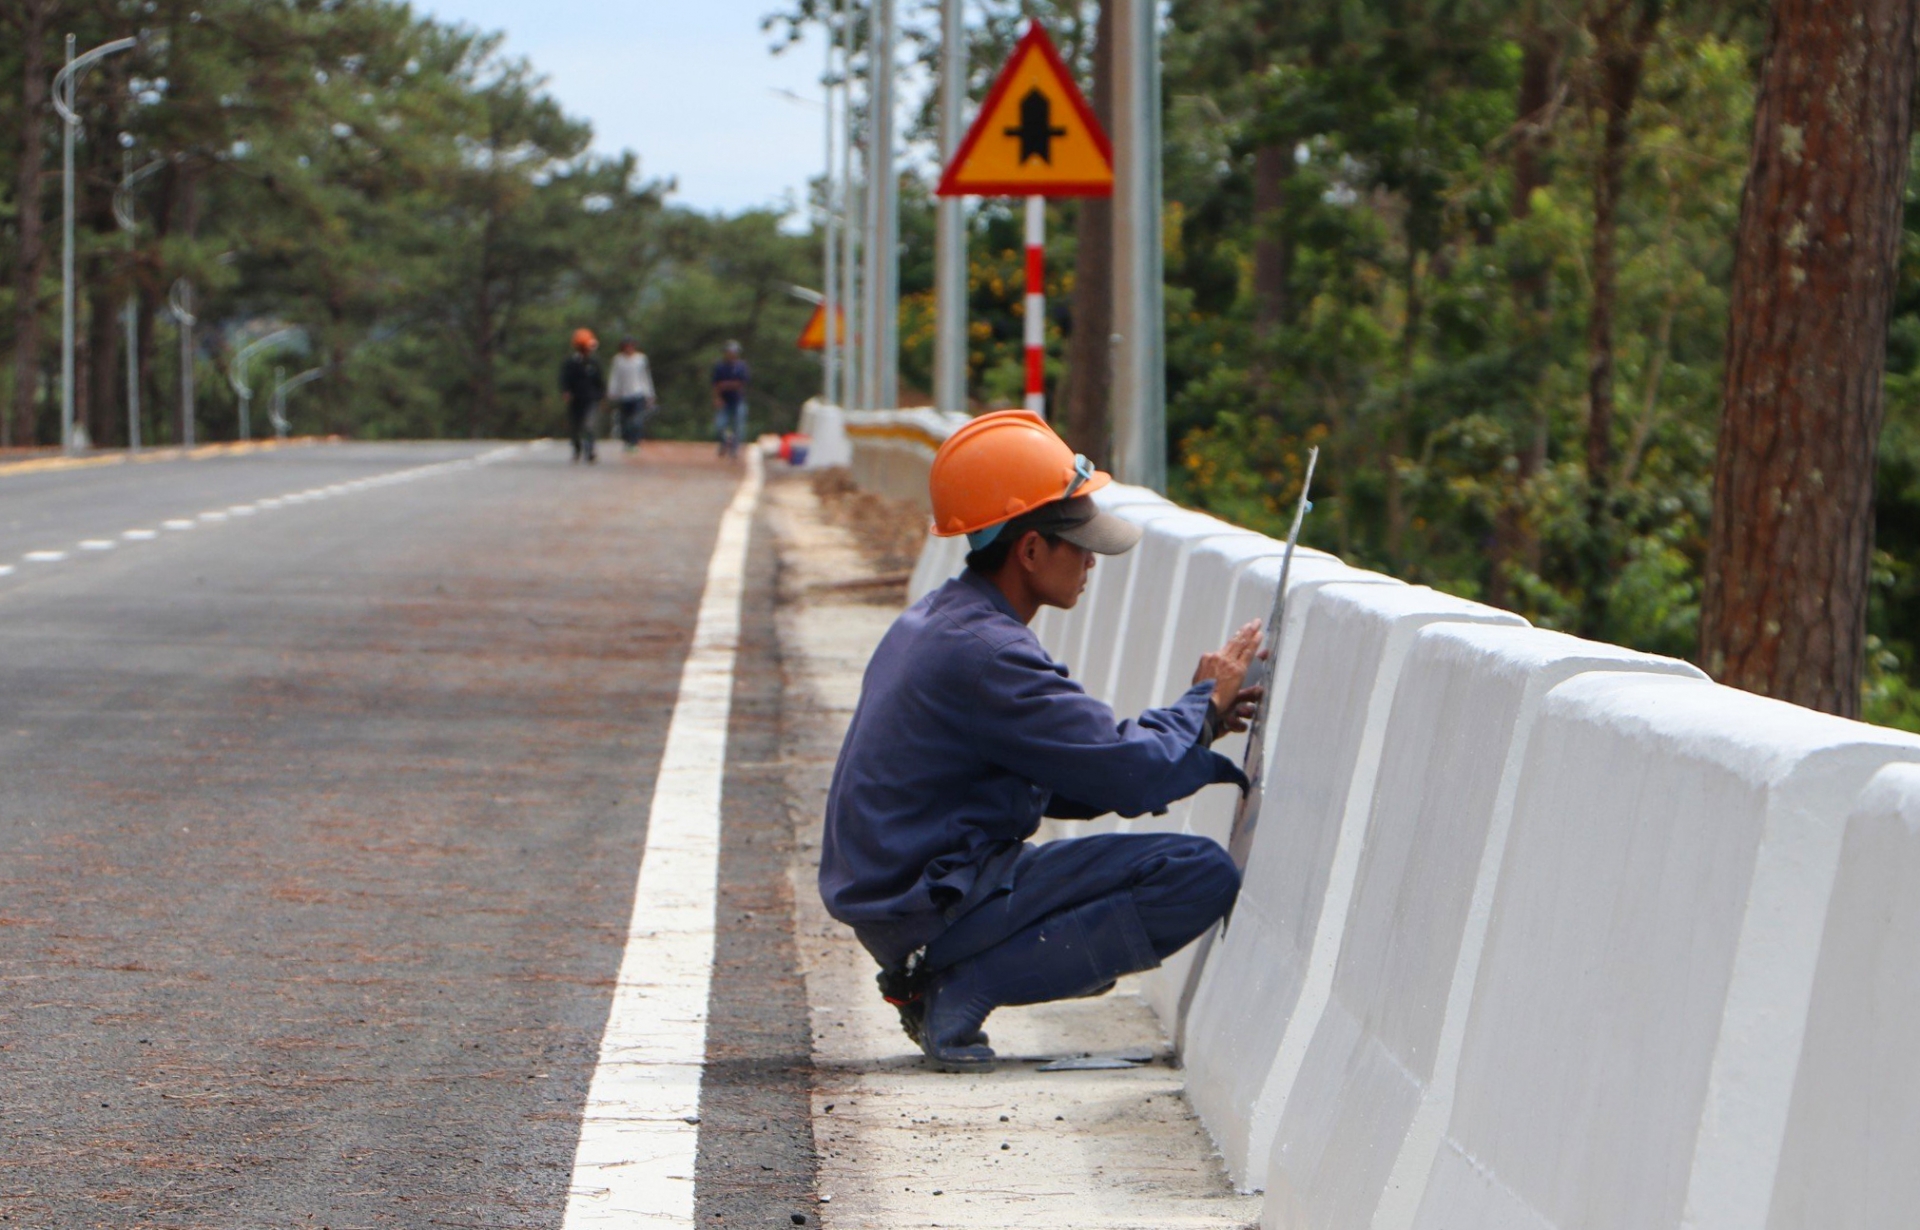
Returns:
(688, 85)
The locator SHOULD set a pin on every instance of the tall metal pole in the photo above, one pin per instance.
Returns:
(180, 304)
(63, 93)
(68, 120)
(1139, 324)
(950, 237)
(830, 228)
(123, 214)
(883, 221)
(854, 396)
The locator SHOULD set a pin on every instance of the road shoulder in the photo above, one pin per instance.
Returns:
(900, 1146)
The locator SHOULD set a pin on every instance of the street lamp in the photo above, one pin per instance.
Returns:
(63, 83)
(237, 374)
(278, 412)
(180, 305)
(123, 214)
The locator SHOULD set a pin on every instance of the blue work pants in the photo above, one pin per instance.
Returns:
(1176, 884)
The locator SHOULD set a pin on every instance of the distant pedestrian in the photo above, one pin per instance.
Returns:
(583, 386)
(730, 376)
(631, 390)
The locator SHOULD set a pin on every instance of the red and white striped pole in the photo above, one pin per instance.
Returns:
(1036, 311)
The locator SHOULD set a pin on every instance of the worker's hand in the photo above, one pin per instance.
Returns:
(1233, 705)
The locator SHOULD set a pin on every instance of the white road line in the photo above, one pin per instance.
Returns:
(6, 570)
(213, 516)
(639, 1133)
(241, 510)
(45, 557)
(139, 535)
(178, 523)
(96, 544)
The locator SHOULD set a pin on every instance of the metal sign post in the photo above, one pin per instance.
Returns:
(1035, 137)
(180, 305)
(123, 214)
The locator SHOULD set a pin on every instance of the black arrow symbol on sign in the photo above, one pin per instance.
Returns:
(1036, 130)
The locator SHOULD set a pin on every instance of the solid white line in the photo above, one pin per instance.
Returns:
(139, 535)
(46, 557)
(639, 1133)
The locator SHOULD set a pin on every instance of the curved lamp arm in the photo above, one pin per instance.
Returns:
(75, 65)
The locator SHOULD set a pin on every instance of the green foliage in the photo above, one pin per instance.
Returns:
(409, 199)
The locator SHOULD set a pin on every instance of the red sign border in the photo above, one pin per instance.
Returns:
(1034, 39)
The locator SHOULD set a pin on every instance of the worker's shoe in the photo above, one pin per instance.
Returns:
(905, 987)
(1067, 955)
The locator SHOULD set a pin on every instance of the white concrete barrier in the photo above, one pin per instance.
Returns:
(1268, 978)
(1853, 1129)
(1641, 1002)
(1388, 1044)
(1535, 933)
(1231, 581)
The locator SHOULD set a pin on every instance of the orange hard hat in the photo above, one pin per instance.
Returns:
(583, 339)
(1001, 465)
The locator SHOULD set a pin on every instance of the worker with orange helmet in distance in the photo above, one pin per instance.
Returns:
(582, 386)
(967, 733)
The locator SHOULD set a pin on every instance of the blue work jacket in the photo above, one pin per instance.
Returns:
(966, 734)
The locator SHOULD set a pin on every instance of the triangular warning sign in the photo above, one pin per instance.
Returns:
(1035, 134)
(814, 336)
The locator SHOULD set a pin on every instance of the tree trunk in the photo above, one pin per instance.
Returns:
(30, 256)
(1272, 250)
(1622, 52)
(1539, 84)
(105, 408)
(1622, 55)
(1089, 364)
(1784, 613)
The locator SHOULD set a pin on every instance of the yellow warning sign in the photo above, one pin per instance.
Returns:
(1035, 134)
(814, 336)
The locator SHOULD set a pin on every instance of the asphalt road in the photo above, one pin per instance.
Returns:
(319, 824)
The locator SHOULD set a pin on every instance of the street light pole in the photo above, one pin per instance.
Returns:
(237, 375)
(180, 304)
(280, 390)
(63, 87)
(854, 395)
(123, 214)
(1139, 325)
(950, 237)
(830, 222)
(883, 220)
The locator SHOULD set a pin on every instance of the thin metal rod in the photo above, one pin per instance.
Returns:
(829, 228)
(180, 304)
(883, 218)
(67, 123)
(950, 236)
(850, 211)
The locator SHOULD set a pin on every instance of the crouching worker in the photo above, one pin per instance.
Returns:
(967, 733)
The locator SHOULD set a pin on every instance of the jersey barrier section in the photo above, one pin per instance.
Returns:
(1535, 932)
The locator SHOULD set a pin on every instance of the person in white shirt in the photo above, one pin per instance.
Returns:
(631, 391)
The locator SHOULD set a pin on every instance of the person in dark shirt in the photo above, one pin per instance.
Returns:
(730, 376)
(967, 732)
(582, 386)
